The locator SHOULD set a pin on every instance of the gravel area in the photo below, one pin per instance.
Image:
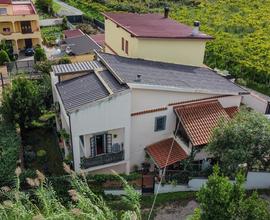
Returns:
(176, 211)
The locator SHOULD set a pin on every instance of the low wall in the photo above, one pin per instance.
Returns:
(255, 180)
(258, 180)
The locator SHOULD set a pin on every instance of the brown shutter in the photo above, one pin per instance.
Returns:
(126, 47)
(123, 44)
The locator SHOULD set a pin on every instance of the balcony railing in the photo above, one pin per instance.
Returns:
(102, 159)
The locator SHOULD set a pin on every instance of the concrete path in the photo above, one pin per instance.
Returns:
(67, 9)
(50, 22)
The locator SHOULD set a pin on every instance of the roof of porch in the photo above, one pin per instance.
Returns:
(160, 151)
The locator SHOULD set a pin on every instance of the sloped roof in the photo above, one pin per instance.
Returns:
(159, 152)
(152, 26)
(199, 119)
(76, 67)
(73, 33)
(99, 39)
(231, 111)
(187, 78)
(82, 44)
(85, 89)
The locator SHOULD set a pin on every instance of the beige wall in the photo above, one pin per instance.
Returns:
(113, 38)
(180, 51)
(81, 58)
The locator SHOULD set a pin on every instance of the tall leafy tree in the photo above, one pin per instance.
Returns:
(222, 200)
(21, 102)
(244, 140)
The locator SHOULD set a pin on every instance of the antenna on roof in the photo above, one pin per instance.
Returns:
(166, 11)
(139, 78)
(196, 28)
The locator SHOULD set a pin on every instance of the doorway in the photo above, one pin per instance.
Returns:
(100, 144)
(28, 43)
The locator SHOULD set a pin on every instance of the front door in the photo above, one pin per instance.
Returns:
(28, 43)
(100, 144)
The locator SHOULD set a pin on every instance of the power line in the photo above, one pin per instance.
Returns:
(164, 172)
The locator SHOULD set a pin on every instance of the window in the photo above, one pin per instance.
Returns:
(101, 144)
(3, 11)
(6, 30)
(160, 123)
(123, 44)
(126, 49)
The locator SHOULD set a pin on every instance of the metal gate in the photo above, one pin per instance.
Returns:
(148, 183)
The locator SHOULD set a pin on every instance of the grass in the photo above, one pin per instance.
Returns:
(44, 138)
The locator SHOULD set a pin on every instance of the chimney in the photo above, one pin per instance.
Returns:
(166, 12)
(196, 28)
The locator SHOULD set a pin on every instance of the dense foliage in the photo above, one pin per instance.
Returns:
(244, 140)
(242, 37)
(44, 204)
(9, 148)
(40, 54)
(21, 102)
(222, 200)
(45, 6)
(4, 58)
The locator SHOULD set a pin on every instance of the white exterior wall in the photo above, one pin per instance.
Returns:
(108, 114)
(142, 126)
(255, 102)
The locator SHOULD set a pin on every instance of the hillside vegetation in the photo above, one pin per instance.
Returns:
(240, 27)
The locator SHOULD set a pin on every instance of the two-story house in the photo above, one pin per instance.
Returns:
(154, 37)
(19, 24)
(147, 92)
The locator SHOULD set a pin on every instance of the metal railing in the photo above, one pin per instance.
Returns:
(102, 159)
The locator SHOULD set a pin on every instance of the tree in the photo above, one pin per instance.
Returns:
(45, 6)
(4, 58)
(65, 23)
(244, 140)
(44, 204)
(21, 102)
(222, 200)
(64, 60)
(40, 54)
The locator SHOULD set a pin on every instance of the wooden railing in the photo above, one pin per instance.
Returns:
(102, 159)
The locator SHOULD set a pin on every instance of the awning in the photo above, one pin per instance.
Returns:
(159, 152)
(200, 118)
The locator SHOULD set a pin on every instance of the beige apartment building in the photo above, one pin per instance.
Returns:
(19, 24)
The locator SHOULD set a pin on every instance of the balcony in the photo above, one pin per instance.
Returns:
(102, 159)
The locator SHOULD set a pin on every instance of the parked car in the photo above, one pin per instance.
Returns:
(29, 52)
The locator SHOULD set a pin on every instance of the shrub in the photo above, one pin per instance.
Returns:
(40, 54)
(87, 29)
(64, 60)
(4, 58)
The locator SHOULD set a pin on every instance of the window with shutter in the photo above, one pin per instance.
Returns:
(123, 44)
(126, 47)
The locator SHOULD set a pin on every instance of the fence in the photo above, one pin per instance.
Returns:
(21, 67)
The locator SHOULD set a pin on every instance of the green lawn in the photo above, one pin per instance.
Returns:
(50, 34)
(44, 138)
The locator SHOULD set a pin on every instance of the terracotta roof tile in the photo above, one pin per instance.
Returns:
(231, 111)
(199, 119)
(159, 152)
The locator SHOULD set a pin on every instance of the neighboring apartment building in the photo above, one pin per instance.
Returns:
(117, 109)
(19, 24)
(154, 37)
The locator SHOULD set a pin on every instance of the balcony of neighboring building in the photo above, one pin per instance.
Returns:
(19, 30)
(105, 148)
